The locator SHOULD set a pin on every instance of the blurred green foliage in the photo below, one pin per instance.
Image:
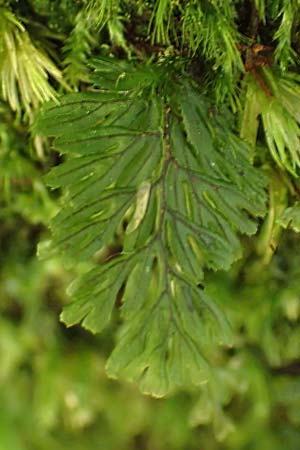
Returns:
(54, 391)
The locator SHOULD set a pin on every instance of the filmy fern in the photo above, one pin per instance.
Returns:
(147, 152)
(210, 29)
(291, 217)
(24, 69)
(103, 10)
(108, 13)
(284, 12)
(280, 117)
(78, 48)
(284, 51)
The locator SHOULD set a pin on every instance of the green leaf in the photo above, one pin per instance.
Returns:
(151, 159)
(24, 68)
(280, 116)
(291, 217)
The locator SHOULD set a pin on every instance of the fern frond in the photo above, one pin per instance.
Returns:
(284, 53)
(109, 13)
(78, 48)
(213, 399)
(280, 117)
(147, 153)
(260, 6)
(24, 69)
(191, 20)
(160, 21)
(103, 10)
(211, 29)
(291, 217)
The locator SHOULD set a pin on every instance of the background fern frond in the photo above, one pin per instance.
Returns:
(24, 69)
(280, 117)
(160, 21)
(291, 217)
(78, 48)
(260, 6)
(285, 53)
(103, 11)
(108, 13)
(211, 30)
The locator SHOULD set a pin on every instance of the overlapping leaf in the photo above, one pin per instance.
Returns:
(291, 217)
(147, 153)
(279, 112)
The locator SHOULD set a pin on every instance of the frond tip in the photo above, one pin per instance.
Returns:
(24, 69)
(280, 117)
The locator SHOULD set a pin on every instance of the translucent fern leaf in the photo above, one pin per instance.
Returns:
(161, 18)
(24, 69)
(152, 158)
(211, 29)
(280, 116)
(291, 217)
(77, 49)
(104, 10)
(108, 13)
(285, 54)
